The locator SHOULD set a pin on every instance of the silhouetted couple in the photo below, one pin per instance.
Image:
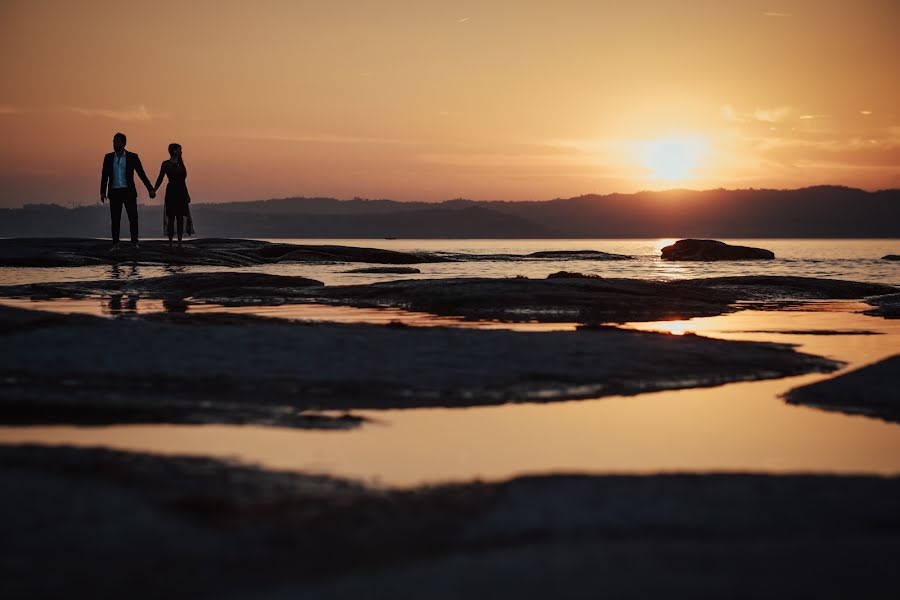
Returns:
(117, 184)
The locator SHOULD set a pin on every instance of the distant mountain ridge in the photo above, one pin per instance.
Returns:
(821, 211)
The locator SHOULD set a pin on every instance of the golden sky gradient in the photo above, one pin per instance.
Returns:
(428, 100)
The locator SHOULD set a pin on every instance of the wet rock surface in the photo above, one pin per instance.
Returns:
(565, 296)
(73, 252)
(873, 391)
(713, 250)
(231, 368)
(227, 252)
(886, 305)
(579, 254)
(197, 528)
(561, 297)
(393, 270)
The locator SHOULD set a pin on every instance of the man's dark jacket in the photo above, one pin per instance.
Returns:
(132, 164)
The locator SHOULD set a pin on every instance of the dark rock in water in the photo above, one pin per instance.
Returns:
(328, 253)
(394, 270)
(713, 250)
(781, 287)
(886, 305)
(572, 275)
(873, 391)
(578, 254)
(891, 257)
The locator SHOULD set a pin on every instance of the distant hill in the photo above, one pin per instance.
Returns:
(823, 211)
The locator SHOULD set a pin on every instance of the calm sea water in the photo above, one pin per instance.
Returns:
(855, 260)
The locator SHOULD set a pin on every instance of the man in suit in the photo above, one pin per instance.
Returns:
(117, 184)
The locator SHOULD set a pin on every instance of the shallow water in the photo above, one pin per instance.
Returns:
(855, 260)
(737, 427)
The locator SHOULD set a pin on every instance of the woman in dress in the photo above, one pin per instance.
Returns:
(177, 198)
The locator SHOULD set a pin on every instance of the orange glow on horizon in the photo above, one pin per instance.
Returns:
(424, 101)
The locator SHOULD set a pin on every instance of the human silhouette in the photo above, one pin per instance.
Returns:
(176, 207)
(117, 184)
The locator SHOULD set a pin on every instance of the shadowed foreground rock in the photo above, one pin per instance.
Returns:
(213, 368)
(891, 257)
(713, 250)
(104, 523)
(873, 391)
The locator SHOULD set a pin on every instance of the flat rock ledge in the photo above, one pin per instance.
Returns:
(386, 270)
(561, 297)
(873, 391)
(216, 529)
(229, 368)
(227, 252)
(707, 250)
(76, 252)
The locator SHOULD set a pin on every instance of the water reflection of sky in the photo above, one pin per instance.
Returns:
(737, 427)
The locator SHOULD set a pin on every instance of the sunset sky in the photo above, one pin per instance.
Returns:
(427, 100)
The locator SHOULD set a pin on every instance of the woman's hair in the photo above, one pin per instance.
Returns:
(172, 147)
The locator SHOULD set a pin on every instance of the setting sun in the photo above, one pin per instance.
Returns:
(674, 158)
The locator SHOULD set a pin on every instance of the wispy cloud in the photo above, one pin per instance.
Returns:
(462, 19)
(136, 113)
(763, 115)
(809, 117)
(776, 14)
(6, 109)
(865, 112)
(771, 115)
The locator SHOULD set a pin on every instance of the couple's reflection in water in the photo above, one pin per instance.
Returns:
(120, 303)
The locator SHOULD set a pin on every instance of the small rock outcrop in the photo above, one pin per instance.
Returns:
(393, 270)
(572, 275)
(713, 250)
(891, 257)
(577, 255)
(871, 391)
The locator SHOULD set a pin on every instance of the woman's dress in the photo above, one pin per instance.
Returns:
(177, 196)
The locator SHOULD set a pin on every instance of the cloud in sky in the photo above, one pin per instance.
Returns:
(136, 113)
(462, 20)
(6, 109)
(865, 112)
(809, 117)
(776, 14)
(763, 115)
